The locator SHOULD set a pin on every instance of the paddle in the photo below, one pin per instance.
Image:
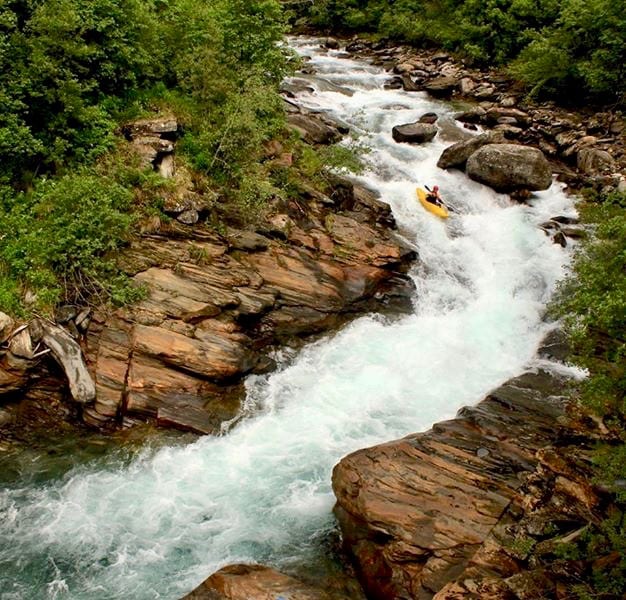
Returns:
(441, 201)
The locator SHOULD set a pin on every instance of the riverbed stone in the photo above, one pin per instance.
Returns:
(456, 156)
(414, 133)
(506, 167)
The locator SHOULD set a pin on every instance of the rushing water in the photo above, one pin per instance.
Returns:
(155, 525)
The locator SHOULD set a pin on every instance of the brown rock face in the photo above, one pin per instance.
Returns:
(213, 303)
(254, 582)
(415, 512)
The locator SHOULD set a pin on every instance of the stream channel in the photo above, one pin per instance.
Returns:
(155, 522)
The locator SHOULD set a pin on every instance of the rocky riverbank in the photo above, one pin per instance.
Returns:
(586, 149)
(482, 506)
(216, 302)
(478, 507)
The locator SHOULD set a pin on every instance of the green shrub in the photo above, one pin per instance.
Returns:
(593, 305)
(564, 48)
(57, 240)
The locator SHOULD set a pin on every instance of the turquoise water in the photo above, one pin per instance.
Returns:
(155, 523)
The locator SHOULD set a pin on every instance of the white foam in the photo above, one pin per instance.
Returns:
(156, 527)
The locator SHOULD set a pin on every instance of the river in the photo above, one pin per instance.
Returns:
(156, 524)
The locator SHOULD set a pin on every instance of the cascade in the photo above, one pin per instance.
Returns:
(157, 525)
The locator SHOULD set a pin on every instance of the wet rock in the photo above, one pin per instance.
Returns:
(521, 195)
(409, 85)
(331, 43)
(294, 87)
(414, 133)
(429, 118)
(419, 513)
(254, 582)
(313, 129)
(456, 155)
(395, 83)
(506, 167)
(559, 238)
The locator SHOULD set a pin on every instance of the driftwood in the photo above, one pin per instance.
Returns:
(68, 354)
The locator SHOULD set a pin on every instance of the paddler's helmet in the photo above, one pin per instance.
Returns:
(436, 188)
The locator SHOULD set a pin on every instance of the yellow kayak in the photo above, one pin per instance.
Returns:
(440, 211)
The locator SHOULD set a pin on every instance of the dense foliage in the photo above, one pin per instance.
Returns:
(71, 71)
(593, 305)
(558, 47)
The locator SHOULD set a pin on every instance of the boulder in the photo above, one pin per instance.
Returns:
(402, 68)
(593, 161)
(466, 86)
(430, 118)
(409, 85)
(474, 115)
(495, 114)
(414, 512)
(441, 87)
(507, 167)
(253, 582)
(457, 154)
(313, 129)
(414, 133)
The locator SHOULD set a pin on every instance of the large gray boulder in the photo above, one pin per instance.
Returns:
(508, 167)
(313, 128)
(456, 155)
(593, 161)
(414, 133)
(441, 87)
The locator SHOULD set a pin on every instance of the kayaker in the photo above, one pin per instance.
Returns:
(433, 196)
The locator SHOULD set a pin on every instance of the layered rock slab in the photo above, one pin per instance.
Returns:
(413, 512)
(255, 582)
(214, 302)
